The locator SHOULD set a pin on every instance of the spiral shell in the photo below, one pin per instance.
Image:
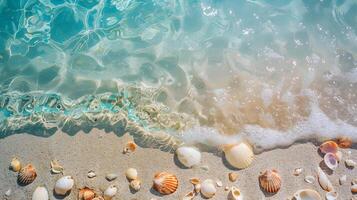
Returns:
(270, 181)
(27, 175)
(328, 147)
(165, 183)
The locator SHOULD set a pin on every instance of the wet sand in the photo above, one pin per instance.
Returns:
(102, 152)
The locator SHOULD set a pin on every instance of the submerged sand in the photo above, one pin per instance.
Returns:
(102, 152)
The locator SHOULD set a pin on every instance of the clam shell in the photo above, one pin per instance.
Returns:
(307, 194)
(330, 161)
(56, 168)
(188, 156)
(165, 183)
(64, 185)
(344, 142)
(86, 194)
(27, 175)
(40, 193)
(234, 194)
(328, 147)
(270, 181)
(208, 188)
(331, 195)
(239, 155)
(323, 180)
(129, 147)
(110, 192)
(15, 165)
(131, 174)
(135, 184)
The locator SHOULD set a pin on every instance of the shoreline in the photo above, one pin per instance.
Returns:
(102, 152)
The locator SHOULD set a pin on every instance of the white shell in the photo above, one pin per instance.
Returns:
(219, 183)
(350, 163)
(307, 194)
(339, 156)
(298, 171)
(110, 192)
(331, 195)
(40, 193)
(208, 188)
(240, 155)
(235, 194)
(188, 156)
(131, 174)
(91, 174)
(309, 179)
(331, 161)
(63, 185)
(323, 180)
(111, 177)
(8, 192)
(343, 179)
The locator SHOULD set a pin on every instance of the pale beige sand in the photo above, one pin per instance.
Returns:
(101, 152)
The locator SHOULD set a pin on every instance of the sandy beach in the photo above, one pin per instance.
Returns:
(102, 153)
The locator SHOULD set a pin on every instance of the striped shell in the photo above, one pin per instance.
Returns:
(270, 181)
(165, 183)
(27, 175)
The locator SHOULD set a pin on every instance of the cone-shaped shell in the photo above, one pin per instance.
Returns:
(15, 165)
(328, 147)
(86, 194)
(330, 161)
(64, 185)
(307, 194)
(40, 193)
(240, 155)
(270, 181)
(27, 175)
(165, 183)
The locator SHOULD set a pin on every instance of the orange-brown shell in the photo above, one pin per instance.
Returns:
(86, 194)
(270, 181)
(344, 142)
(329, 147)
(27, 175)
(129, 147)
(165, 183)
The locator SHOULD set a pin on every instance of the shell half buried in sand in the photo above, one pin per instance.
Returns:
(270, 181)
(27, 175)
(165, 183)
(239, 155)
(307, 194)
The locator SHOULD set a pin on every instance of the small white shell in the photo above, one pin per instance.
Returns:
(219, 183)
(208, 188)
(240, 155)
(307, 194)
(8, 192)
(331, 161)
(64, 185)
(350, 163)
(343, 179)
(323, 180)
(135, 184)
(188, 156)
(331, 195)
(111, 177)
(131, 174)
(110, 192)
(309, 179)
(91, 174)
(298, 171)
(235, 194)
(40, 193)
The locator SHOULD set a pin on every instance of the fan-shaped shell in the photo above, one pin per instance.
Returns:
(188, 156)
(239, 155)
(64, 185)
(328, 147)
(307, 194)
(165, 183)
(330, 161)
(27, 175)
(344, 142)
(15, 164)
(40, 193)
(86, 194)
(270, 181)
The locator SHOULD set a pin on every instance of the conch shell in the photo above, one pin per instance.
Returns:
(165, 183)
(270, 181)
(27, 175)
(323, 180)
(239, 155)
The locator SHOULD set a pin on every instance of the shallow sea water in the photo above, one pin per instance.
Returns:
(173, 71)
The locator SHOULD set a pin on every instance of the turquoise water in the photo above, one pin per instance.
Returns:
(186, 69)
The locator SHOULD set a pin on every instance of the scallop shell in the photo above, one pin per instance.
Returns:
(131, 174)
(165, 183)
(64, 185)
(270, 181)
(135, 184)
(323, 180)
(86, 194)
(328, 147)
(235, 194)
(188, 156)
(56, 168)
(40, 193)
(232, 176)
(330, 161)
(110, 192)
(208, 188)
(344, 142)
(239, 155)
(129, 147)
(27, 175)
(331, 195)
(307, 194)
(15, 165)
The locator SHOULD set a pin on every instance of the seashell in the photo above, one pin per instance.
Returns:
(344, 142)
(323, 180)
(98, 198)
(328, 147)
(354, 188)
(40, 193)
(27, 175)
(298, 171)
(350, 163)
(86, 194)
(331, 195)
(219, 183)
(64, 185)
(339, 156)
(165, 183)
(56, 168)
(342, 179)
(15, 165)
(131, 174)
(8, 192)
(307, 194)
(235, 194)
(110, 192)
(194, 181)
(129, 147)
(309, 179)
(188, 156)
(226, 188)
(240, 155)
(91, 174)
(189, 196)
(197, 188)
(270, 181)
(232, 176)
(354, 181)
(111, 177)
(330, 161)
(135, 184)
(208, 188)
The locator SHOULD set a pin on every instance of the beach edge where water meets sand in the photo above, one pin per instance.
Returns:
(102, 153)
